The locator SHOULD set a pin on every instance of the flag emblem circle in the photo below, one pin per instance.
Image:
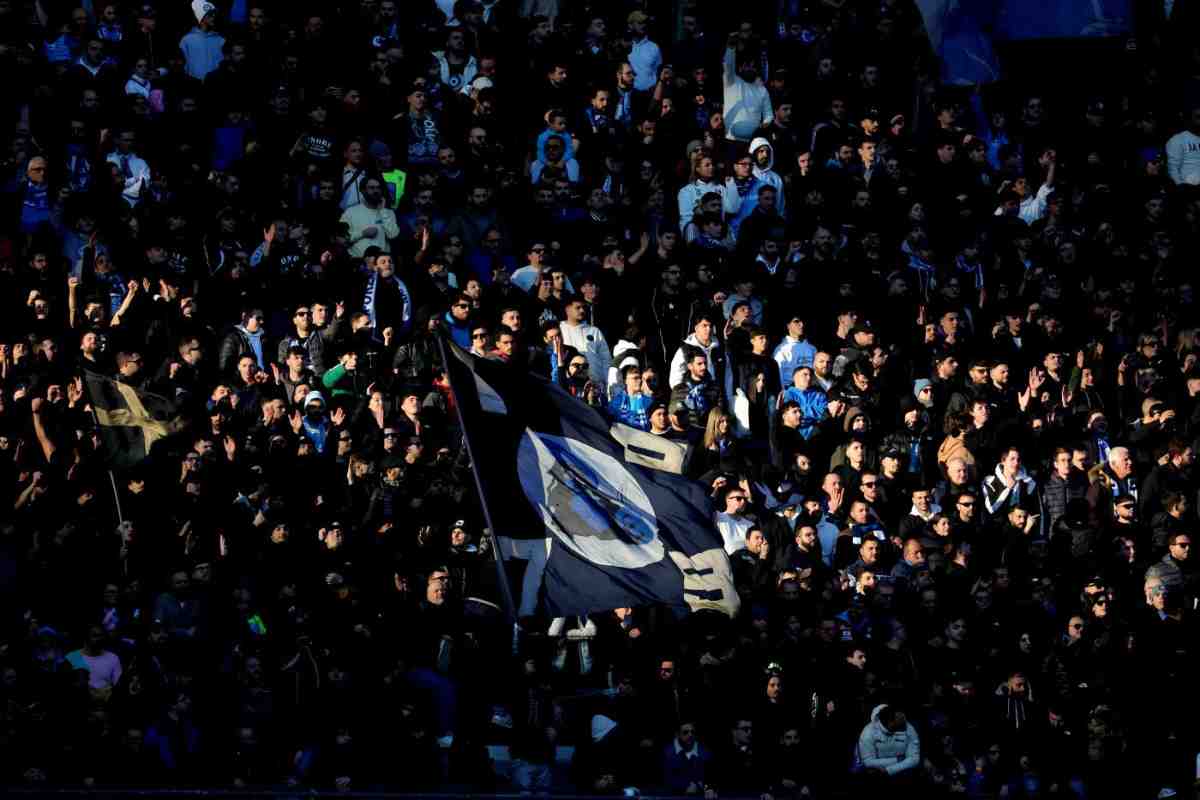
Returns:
(589, 500)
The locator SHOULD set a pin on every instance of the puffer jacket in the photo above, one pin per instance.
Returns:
(893, 753)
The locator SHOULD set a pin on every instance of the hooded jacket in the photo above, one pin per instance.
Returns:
(716, 361)
(768, 175)
(953, 447)
(315, 428)
(893, 753)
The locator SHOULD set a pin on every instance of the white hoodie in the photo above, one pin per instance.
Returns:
(768, 176)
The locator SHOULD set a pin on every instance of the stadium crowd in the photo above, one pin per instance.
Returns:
(933, 349)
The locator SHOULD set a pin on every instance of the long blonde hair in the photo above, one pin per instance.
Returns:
(712, 431)
(697, 157)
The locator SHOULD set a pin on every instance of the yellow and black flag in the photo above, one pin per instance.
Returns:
(129, 421)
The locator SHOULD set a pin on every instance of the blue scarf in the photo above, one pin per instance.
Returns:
(256, 344)
(35, 206)
(926, 272)
(317, 432)
(971, 269)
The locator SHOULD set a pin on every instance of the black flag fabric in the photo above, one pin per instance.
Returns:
(572, 495)
(129, 421)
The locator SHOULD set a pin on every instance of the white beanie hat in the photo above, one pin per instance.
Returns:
(202, 8)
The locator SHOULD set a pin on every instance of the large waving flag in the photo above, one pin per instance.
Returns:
(598, 528)
(129, 421)
(960, 32)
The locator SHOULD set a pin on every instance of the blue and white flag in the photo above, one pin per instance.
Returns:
(1065, 19)
(570, 495)
(960, 33)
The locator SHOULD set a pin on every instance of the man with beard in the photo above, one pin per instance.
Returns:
(371, 222)
(747, 101)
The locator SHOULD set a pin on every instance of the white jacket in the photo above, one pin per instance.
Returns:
(747, 105)
(689, 198)
(733, 528)
(590, 342)
(1183, 158)
(679, 365)
(790, 355)
(893, 753)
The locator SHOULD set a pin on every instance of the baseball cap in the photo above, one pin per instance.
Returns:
(638, 17)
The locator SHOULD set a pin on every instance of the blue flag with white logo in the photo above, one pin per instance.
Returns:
(571, 495)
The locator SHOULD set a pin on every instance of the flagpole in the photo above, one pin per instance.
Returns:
(112, 479)
(505, 590)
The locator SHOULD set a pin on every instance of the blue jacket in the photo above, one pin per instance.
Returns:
(201, 52)
(460, 332)
(812, 406)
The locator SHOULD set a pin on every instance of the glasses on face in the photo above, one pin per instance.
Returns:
(966, 504)
(389, 434)
(302, 313)
(1183, 544)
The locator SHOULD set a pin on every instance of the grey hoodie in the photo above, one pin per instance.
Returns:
(879, 748)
